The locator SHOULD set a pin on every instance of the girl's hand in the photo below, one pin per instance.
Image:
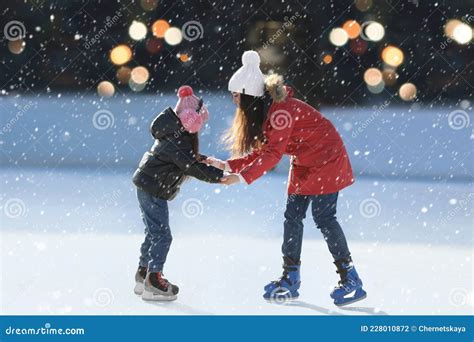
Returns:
(217, 163)
(230, 179)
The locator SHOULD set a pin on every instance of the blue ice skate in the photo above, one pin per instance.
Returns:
(349, 290)
(286, 288)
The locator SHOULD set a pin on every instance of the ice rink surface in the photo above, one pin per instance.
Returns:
(70, 241)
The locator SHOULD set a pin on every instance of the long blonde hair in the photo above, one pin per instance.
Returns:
(246, 132)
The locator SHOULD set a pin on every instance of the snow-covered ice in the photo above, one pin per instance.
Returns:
(93, 274)
(71, 246)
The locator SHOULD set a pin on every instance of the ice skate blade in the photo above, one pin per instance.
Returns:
(285, 297)
(150, 296)
(281, 300)
(352, 300)
(139, 287)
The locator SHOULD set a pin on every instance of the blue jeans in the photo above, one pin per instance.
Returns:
(158, 237)
(324, 215)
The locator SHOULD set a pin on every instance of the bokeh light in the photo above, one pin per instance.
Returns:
(137, 30)
(148, 5)
(358, 46)
(159, 28)
(457, 30)
(184, 57)
(327, 59)
(377, 89)
(352, 28)
(136, 86)
(123, 74)
(154, 45)
(173, 36)
(392, 56)
(16, 46)
(363, 5)
(139, 75)
(462, 33)
(105, 89)
(373, 77)
(389, 77)
(120, 54)
(450, 26)
(372, 30)
(407, 92)
(338, 36)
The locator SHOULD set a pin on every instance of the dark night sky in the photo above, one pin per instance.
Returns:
(55, 58)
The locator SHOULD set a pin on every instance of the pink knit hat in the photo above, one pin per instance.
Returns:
(190, 110)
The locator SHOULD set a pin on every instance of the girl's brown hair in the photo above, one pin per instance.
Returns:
(246, 132)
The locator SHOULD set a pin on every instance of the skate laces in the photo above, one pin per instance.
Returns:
(162, 281)
(345, 281)
(284, 277)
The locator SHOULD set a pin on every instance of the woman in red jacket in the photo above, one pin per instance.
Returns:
(320, 168)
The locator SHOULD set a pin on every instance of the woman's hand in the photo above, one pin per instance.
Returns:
(217, 163)
(230, 179)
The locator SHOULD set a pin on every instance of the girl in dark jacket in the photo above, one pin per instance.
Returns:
(172, 158)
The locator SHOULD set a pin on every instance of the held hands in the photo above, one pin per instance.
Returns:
(230, 179)
(217, 163)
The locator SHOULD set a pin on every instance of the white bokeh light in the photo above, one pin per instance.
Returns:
(462, 33)
(373, 31)
(173, 36)
(137, 30)
(338, 36)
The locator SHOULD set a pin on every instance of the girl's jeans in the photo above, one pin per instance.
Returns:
(324, 215)
(158, 237)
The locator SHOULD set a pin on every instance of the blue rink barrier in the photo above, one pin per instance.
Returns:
(237, 328)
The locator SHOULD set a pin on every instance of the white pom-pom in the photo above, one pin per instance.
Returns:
(250, 58)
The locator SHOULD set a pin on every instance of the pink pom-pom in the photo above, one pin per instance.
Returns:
(184, 91)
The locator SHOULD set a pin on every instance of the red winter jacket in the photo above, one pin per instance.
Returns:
(319, 161)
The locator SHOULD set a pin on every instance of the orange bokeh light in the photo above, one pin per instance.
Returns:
(184, 57)
(159, 28)
(327, 59)
(120, 54)
(392, 56)
(352, 28)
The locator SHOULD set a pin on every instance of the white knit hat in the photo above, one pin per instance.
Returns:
(248, 79)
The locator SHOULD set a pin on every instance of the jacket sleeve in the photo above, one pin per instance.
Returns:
(205, 173)
(278, 134)
(237, 164)
(188, 163)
